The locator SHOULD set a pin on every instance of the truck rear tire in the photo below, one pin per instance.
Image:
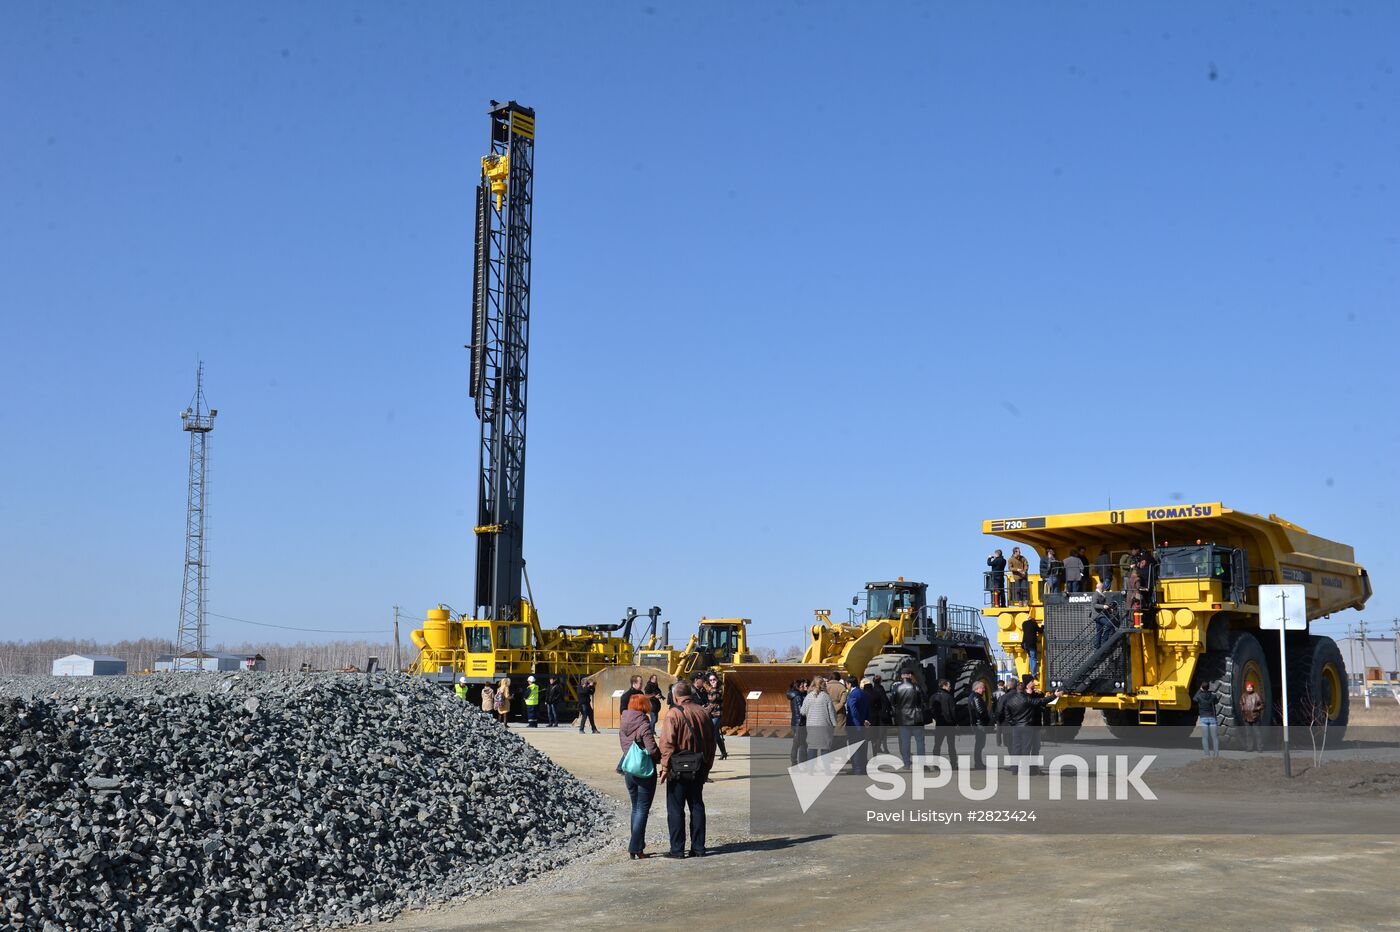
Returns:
(972, 671)
(1317, 685)
(1067, 723)
(1225, 672)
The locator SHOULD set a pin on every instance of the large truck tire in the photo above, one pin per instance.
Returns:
(1317, 685)
(1225, 673)
(972, 671)
(891, 666)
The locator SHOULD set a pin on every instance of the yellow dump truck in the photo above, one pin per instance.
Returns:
(1181, 611)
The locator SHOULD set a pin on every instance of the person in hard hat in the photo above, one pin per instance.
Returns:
(461, 689)
(532, 703)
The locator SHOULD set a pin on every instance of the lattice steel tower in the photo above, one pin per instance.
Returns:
(199, 421)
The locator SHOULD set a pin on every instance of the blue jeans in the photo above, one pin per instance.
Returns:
(532, 715)
(553, 710)
(906, 734)
(680, 796)
(1210, 736)
(641, 790)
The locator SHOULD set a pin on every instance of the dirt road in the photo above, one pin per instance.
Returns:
(857, 881)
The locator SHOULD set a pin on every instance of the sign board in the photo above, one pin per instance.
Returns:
(1283, 607)
(617, 693)
(754, 695)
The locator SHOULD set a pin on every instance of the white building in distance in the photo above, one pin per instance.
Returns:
(89, 665)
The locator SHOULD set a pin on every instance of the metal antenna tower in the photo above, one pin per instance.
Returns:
(189, 641)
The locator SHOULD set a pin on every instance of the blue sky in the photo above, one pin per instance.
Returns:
(817, 288)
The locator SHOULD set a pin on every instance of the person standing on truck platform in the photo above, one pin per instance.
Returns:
(1251, 709)
(1210, 725)
(1103, 567)
(1074, 573)
(1104, 626)
(945, 722)
(1018, 570)
(1050, 570)
(532, 703)
(996, 579)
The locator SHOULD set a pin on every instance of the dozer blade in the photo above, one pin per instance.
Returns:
(755, 695)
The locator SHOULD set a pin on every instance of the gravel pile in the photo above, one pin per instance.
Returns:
(266, 801)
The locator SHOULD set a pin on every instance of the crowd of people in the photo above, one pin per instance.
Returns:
(1131, 572)
(829, 711)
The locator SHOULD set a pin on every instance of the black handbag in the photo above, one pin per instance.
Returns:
(687, 765)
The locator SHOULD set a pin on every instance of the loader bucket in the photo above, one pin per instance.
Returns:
(755, 695)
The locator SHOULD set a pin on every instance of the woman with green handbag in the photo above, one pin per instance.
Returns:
(638, 768)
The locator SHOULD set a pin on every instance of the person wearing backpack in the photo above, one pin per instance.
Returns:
(635, 729)
(687, 754)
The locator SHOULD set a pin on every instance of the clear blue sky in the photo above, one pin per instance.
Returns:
(817, 288)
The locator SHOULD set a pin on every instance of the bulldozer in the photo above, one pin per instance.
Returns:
(897, 631)
(717, 642)
(1182, 615)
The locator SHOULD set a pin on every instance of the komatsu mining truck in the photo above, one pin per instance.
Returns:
(1189, 618)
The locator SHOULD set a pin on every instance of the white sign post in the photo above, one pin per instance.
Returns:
(1284, 608)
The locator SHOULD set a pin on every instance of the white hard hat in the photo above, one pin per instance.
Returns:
(529, 679)
(462, 680)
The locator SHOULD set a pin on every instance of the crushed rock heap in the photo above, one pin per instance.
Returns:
(266, 801)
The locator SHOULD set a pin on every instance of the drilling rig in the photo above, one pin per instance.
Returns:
(502, 636)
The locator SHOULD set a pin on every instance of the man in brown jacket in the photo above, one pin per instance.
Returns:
(685, 733)
(1251, 709)
(837, 690)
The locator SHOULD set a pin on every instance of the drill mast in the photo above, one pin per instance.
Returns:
(499, 353)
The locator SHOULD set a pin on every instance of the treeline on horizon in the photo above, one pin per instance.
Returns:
(37, 657)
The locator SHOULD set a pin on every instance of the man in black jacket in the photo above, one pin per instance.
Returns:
(1021, 710)
(945, 720)
(881, 712)
(996, 579)
(909, 702)
(586, 688)
(979, 716)
(554, 698)
(633, 689)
